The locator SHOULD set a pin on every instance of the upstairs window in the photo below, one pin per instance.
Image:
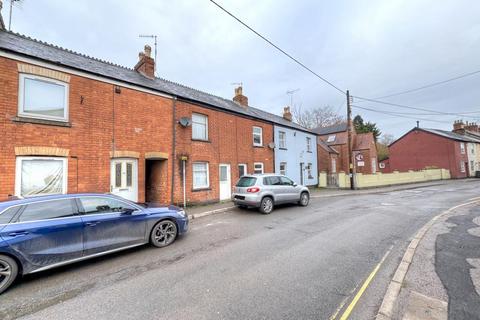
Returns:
(257, 136)
(282, 140)
(43, 98)
(199, 127)
(309, 144)
(462, 148)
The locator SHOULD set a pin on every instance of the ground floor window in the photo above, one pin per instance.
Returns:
(258, 168)
(283, 168)
(242, 170)
(200, 175)
(308, 167)
(40, 176)
(462, 166)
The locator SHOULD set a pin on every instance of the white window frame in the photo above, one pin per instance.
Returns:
(193, 176)
(203, 124)
(21, 97)
(462, 147)
(260, 144)
(18, 173)
(309, 144)
(284, 169)
(244, 165)
(282, 142)
(255, 165)
(462, 167)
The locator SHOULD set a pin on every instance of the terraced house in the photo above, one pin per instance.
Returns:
(71, 123)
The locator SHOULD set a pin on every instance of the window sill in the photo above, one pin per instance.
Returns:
(282, 149)
(42, 121)
(309, 152)
(258, 146)
(201, 140)
(201, 189)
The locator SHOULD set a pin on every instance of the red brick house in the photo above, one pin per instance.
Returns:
(421, 148)
(336, 138)
(72, 123)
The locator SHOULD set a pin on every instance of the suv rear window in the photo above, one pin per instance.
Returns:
(246, 182)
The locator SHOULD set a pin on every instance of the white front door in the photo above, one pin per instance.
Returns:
(124, 178)
(225, 182)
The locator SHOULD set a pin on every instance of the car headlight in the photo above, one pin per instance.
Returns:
(182, 213)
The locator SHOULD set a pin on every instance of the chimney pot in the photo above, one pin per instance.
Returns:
(240, 98)
(458, 126)
(148, 50)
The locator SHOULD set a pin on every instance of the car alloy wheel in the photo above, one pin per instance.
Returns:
(304, 199)
(8, 272)
(266, 206)
(164, 233)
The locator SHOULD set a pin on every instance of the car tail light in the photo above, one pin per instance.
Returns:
(253, 190)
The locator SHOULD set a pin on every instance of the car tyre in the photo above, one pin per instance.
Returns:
(8, 272)
(266, 205)
(163, 233)
(304, 199)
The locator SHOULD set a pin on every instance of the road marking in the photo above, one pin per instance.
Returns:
(360, 292)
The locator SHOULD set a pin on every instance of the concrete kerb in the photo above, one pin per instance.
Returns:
(208, 213)
(388, 304)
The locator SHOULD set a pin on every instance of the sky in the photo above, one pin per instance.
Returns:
(371, 47)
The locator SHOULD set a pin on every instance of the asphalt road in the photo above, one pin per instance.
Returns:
(297, 263)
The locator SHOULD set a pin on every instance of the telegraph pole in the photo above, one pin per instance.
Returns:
(351, 167)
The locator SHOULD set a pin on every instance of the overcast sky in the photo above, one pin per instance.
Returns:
(372, 47)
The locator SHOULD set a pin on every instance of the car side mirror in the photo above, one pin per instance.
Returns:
(128, 211)
(294, 184)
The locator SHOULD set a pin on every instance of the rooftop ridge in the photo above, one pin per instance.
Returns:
(68, 50)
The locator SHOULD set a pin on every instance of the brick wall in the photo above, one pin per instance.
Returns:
(130, 122)
(418, 150)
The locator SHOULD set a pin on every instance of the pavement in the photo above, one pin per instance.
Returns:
(440, 278)
(331, 260)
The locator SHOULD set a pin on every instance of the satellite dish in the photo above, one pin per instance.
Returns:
(271, 145)
(185, 121)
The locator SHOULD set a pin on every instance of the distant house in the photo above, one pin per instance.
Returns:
(422, 148)
(333, 150)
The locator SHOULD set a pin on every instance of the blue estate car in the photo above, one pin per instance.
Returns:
(44, 232)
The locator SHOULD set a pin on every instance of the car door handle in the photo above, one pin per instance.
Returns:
(19, 233)
(92, 224)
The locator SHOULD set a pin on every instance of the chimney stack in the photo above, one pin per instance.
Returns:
(458, 126)
(146, 64)
(287, 115)
(240, 98)
(2, 24)
(471, 126)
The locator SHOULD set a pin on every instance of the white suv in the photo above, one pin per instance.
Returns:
(263, 191)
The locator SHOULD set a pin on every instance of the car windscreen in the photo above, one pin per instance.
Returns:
(246, 182)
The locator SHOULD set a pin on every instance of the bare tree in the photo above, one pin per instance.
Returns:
(316, 117)
(382, 145)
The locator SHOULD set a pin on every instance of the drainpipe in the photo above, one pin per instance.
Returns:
(184, 160)
(174, 136)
